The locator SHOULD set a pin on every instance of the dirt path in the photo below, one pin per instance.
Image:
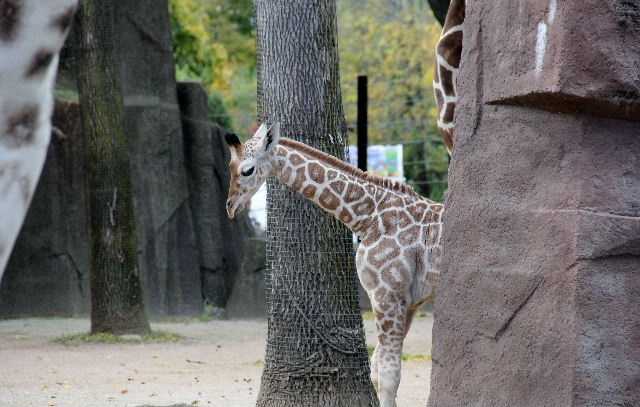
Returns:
(218, 364)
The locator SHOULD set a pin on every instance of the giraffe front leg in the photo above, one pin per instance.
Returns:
(391, 319)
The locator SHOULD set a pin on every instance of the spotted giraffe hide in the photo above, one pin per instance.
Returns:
(31, 35)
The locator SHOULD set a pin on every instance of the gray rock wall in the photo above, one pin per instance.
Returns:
(219, 243)
(540, 294)
(166, 235)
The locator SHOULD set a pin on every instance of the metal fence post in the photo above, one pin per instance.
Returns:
(362, 125)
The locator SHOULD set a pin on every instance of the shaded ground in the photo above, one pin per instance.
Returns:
(217, 364)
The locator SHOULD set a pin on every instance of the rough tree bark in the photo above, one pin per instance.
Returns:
(316, 353)
(116, 296)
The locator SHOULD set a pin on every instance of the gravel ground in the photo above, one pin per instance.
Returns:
(219, 363)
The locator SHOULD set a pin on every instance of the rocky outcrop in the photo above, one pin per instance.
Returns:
(538, 303)
(248, 296)
(219, 240)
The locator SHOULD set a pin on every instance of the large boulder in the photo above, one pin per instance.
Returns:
(248, 298)
(539, 303)
(219, 240)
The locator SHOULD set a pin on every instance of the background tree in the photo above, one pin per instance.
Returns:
(116, 296)
(316, 353)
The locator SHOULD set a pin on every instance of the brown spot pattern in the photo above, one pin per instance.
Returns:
(309, 191)
(429, 217)
(372, 236)
(383, 252)
(299, 181)
(21, 126)
(409, 236)
(329, 200)
(450, 48)
(386, 325)
(379, 296)
(403, 219)
(354, 193)
(345, 215)
(390, 201)
(10, 11)
(371, 190)
(316, 173)
(417, 211)
(390, 222)
(296, 159)
(338, 186)
(40, 62)
(332, 174)
(286, 175)
(446, 81)
(364, 208)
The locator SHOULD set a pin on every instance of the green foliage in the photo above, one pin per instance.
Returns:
(393, 42)
(218, 112)
(214, 43)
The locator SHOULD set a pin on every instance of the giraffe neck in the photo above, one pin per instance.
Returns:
(338, 188)
(448, 55)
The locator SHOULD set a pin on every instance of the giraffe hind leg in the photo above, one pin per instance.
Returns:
(391, 323)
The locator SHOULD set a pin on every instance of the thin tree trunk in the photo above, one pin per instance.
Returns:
(116, 296)
(316, 354)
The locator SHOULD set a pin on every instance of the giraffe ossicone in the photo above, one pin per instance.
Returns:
(398, 258)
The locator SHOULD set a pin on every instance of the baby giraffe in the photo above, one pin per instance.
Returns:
(398, 257)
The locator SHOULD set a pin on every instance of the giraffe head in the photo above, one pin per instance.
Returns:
(251, 163)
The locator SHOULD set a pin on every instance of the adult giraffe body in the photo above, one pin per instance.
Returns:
(31, 35)
(397, 259)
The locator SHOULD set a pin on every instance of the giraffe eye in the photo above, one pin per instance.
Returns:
(247, 172)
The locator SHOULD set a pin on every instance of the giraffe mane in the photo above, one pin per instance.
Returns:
(349, 169)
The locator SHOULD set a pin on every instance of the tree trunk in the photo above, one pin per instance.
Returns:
(116, 296)
(316, 354)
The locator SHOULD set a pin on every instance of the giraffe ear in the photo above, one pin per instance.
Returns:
(235, 147)
(271, 137)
